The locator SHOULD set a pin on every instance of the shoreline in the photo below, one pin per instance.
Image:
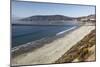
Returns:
(50, 52)
(39, 43)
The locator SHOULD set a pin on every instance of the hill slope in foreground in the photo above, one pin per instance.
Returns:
(83, 51)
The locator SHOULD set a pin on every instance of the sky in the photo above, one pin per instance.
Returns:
(26, 9)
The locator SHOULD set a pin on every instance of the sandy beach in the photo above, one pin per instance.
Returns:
(50, 52)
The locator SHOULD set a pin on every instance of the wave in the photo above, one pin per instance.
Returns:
(66, 31)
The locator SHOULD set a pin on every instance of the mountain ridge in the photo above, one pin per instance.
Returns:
(54, 20)
(46, 18)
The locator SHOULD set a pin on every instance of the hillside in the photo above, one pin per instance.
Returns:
(47, 18)
(56, 20)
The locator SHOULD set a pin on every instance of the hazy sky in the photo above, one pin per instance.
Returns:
(25, 9)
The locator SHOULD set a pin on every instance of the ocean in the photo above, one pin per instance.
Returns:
(22, 34)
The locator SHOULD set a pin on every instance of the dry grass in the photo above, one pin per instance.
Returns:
(80, 51)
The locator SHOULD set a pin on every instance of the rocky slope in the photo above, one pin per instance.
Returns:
(84, 50)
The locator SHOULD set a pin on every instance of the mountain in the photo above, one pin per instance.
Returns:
(55, 20)
(47, 18)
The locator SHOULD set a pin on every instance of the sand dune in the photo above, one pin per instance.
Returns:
(49, 53)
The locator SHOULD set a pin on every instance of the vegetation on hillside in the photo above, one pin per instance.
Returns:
(80, 51)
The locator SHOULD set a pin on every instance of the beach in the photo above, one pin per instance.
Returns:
(52, 51)
(82, 51)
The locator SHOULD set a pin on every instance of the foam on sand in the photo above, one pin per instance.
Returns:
(65, 31)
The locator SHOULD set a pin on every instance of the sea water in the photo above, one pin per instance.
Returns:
(22, 34)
